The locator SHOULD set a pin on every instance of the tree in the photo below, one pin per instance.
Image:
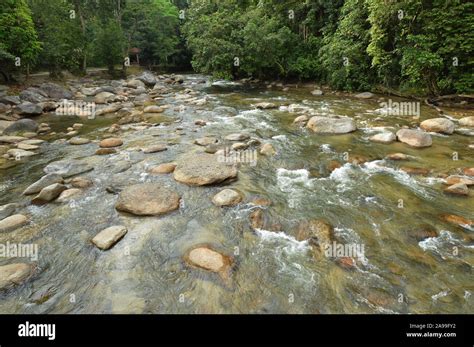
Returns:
(18, 37)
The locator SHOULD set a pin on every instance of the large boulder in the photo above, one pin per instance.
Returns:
(28, 109)
(147, 199)
(414, 138)
(33, 95)
(68, 168)
(148, 78)
(13, 274)
(21, 126)
(438, 125)
(55, 91)
(203, 169)
(326, 125)
(43, 182)
(10, 100)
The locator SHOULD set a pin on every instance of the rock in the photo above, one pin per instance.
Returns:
(237, 137)
(12, 222)
(14, 274)
(259, 220)
(11, 139)
(81, 182)
(27, 147)
(147, 199)
(415, 170)
(455, 179)
(29, 109)
(78, 141)
(32, 96)
(155, 148)
(203, 169)
(68, 168)
(467, 121)
(104, 97)
(19, 153)
(438, 125)
(77, 126)
(205, 141)
(457, 189)
(43, 182)
(200, 122)
(148, 78)
(21, 126)
(385, 138)
(10, 100)
(108, 109)
(318, 232)
(118, 166)
(238, 146)
(227, 197)
(48, 193)
(153, 109)
(48, 106)
(7, 210)
(55, 91)
(32, 142)
(423, 232)
(261, 202)
(265, 105)
(469, 171)
(109, 237)
(105, 151)
(364, 95)
(135, 84)
(301, 119)
(164, 168)
(111, 142)
(325, 125)
(67, 194)
(267, 149)
(458, 220)
(414, 138)
(397, 156)
(317, 92)
(206, 258)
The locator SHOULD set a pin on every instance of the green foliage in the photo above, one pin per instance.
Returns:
(18, 37)
(109, 44)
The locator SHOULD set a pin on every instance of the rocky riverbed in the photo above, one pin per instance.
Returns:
(177, 194)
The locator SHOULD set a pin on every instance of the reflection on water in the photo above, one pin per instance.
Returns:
(373, 203)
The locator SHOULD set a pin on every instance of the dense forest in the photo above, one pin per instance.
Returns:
(417, 46)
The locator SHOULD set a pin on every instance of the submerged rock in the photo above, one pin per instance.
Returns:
(147, 199)
(203, 169)
(318, 232)
(206, 141)
(414, 138)
(397, 156)
(267, 149)
(227, 197)
(109, 237)
(326, 125)
(364, 95)
(81, 182)
(265, 105)
(14, 274)
(79, 141)
(68, 168)
(155, 148)
(12, 222)
(21, 126)
(387, 137)
(67, 194)
(7, 210)
(237, 137)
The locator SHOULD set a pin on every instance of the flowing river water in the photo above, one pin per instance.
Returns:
(373, 203)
